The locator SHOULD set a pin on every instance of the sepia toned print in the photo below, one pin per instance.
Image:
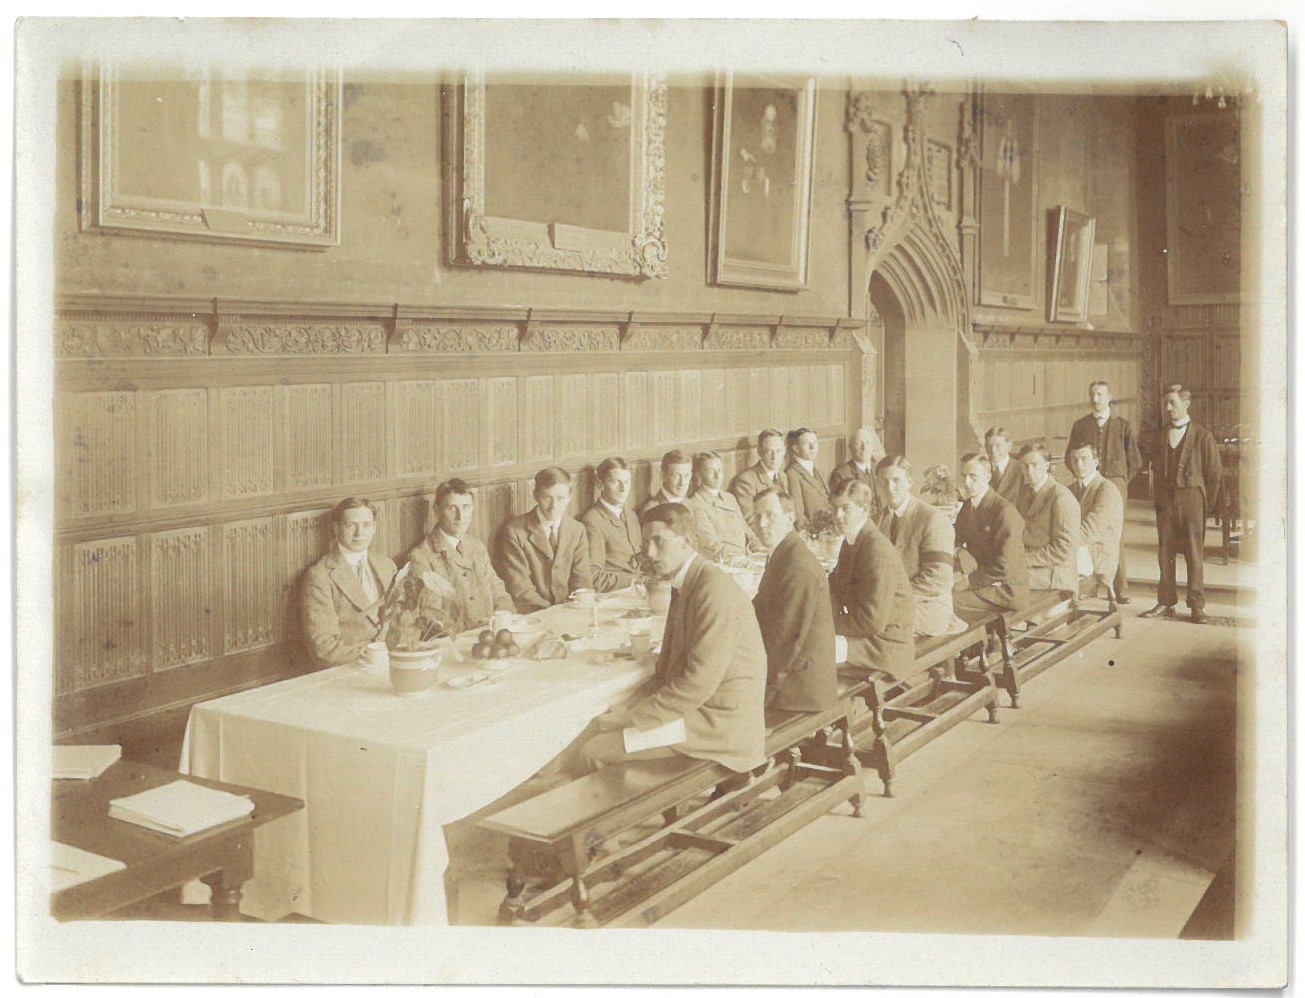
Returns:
(713, 500)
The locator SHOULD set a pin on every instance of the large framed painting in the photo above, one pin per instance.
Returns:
(1071, 271)
(566, 174)
(212, 154)
(1203, 208)
(1008, 200)
(764, 157)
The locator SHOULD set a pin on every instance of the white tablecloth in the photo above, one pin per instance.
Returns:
(381, 775)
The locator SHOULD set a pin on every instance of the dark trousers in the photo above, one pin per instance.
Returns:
(1180, 524)
(1121, 574)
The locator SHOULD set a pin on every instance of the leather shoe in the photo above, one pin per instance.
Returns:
(1160, 610)
(1198, 616)
(1123, 600)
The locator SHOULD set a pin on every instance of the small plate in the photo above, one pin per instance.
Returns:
(497, 664)
(478, 678)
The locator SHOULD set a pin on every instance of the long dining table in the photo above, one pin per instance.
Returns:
(381, 775)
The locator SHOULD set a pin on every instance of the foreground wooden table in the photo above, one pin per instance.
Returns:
(222, 857)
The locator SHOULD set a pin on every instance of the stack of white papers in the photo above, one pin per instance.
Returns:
(70, 866)
(83, 762)
(670, 733)
(180, 808)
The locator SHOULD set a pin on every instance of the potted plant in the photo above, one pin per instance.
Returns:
(939, 489)
(419, 614)
(823, 535)
(647, 582)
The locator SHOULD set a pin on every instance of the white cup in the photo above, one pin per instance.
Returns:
(376, 656)
(640, 643)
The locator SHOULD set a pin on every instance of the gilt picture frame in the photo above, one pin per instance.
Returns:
(764, 162)
(1075, 235)
(527, 190)
(1008, 199)
(249, 157)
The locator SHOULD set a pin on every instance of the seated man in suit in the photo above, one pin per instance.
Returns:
(451, 552)
(862, 446)
(873, 605)
(711, 672)
(805, 484)
(989, 545)
(767, 473)
(1101, 523)
(925, 542)
(1051, 519)
(342, 593)
(793, 609)
(613, 530)
(543, 555)
(1007, 475)
(676, 476)
(721, 531)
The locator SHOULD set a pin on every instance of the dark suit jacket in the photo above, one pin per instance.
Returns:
(926, 544)
(846, 472)
(797, 626)
(1199, 466)
(748, 482)
(711, 672)
(535, 578)
(809, 491)
(1115, 443)
(873, 604)
(1011, 485)
(612, 543)
(993, 534)
(339, 621)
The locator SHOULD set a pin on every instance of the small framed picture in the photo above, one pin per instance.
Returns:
(1075, 233)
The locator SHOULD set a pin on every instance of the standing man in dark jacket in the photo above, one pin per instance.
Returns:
(1188, 473)
(793, 609)
(805, 482)
(1121, 460)
(991, 572)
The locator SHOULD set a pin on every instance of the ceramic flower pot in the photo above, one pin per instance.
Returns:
(413, 673)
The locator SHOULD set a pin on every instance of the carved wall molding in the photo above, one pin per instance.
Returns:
(737, 338)
(455, 339)
(269, 338)
(678, 338)
(109, 338)
(801, 339)
(571, 339)
(1003, 338)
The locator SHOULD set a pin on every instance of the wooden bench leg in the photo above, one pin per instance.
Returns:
(225, 887)
(577, 862)
(510, 908)
(881, 754)
(1010, 680)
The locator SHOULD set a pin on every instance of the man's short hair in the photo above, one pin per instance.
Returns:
(996, 431)
(546, 478)
(795, 435)
(353, 502)
(785, 500)
(611, 464)
(1085, 446)
(893, 461)
(453, 487)
(1181, 392)
(675, 515)
(674, 457)
(702, 457)
(1103, 384)
(765, 435)
(978, 456)
(854, 490)
(1028, 449)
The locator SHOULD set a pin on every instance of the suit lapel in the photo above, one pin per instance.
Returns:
(382, 572)
(540, 539)
(346, 580)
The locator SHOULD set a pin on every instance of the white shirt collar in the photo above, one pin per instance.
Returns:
(1046, 483)
(900, 511)
(678, 580)
(1090, 479)
(1101, 420)
(1181, 425)
(547, 524)
(1002, 467)
(354, 558)
(667, 497)
(616, 511)
(975, 500)
(449, 539)
(809, 465)
(863, 468)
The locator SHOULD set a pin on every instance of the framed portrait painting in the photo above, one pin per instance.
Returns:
(1008, 199)
(563, 175)
(1072, 268)
(212, 153)
(764, 157)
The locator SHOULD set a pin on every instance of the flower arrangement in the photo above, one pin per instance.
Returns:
(821, 524)
(939, 488)
(419, 611)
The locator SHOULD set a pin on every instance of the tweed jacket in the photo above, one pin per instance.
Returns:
(809, 491)
(797, 627)
(1051, 530)
(612, 543)
(1199, 467)
(338, 619)
(711, 672)
(1116, 446)
(1011, 484)
(926, 544)
(993, 534)
(1101, 524)
(748, 482)
(535, 578)
(722, 531)
(467, 566)
(658, 498)
(873, 604)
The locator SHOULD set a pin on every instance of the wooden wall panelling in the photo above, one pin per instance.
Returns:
(635, 409)
(742, 413)
(689, 425)
(308, 536)
(713, 404)
(105, 636)
(838, 414)
(413, 518)
(605, 420)
(99, 452)
(179, 446)
(664, 414)
(309, 427)
(181, 595)
(253, 584)
(495, 505)
(461, 427)
(501, 421)
(781, 414)
(573, 416)
(417, 426)
(537, 419)
(364, 435)
(247, 441)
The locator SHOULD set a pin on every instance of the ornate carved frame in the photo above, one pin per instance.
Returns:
(479, 237)
(1070, 225)
(791, 276)
(106, 208)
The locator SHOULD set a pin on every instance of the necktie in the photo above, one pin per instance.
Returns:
(367, 582)
(892, 534)
(552, 537)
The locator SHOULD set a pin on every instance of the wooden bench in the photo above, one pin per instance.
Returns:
(1059, 624)
(559, 836)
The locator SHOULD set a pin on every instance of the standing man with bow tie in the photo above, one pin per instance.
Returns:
(543, 555)
(1121, 460)
(1188, 472)
(767, 473)
(340, 607)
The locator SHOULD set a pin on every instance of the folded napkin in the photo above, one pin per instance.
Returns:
(180, 808)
